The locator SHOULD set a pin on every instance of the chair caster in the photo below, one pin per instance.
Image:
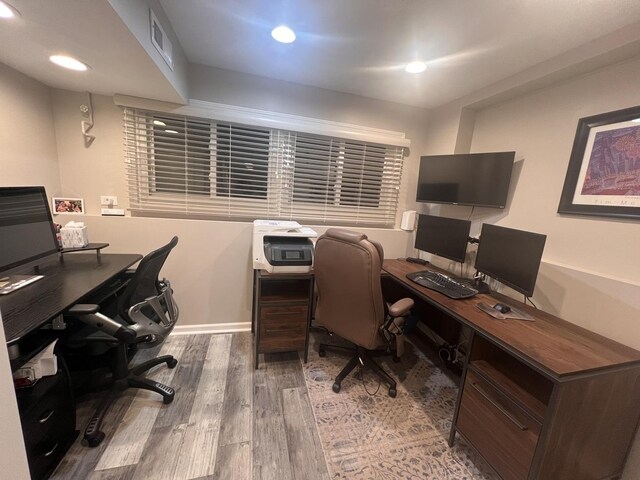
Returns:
(172, 363)
(94, 440)
(336, 387)
(322, 352)
(393, 392)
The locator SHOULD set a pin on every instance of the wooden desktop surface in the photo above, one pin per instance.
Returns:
(65, 283)
(554, 346)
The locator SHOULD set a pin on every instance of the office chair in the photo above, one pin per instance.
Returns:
(146, 314)
(347, 270)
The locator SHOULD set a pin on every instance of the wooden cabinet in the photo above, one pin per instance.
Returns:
(282, 306)
(529, 424)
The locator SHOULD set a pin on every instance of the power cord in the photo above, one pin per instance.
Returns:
(364, 385)
(527, 299)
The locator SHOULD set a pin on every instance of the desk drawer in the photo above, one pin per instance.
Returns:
(499, 429)
(283, 328)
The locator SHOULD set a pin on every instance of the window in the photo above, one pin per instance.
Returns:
(196, 166)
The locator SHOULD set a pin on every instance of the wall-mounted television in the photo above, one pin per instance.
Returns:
(478, 179)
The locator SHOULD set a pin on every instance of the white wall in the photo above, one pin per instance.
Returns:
(210, 268)
(26, 133)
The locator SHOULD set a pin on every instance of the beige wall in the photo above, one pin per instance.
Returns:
(210, 268)
(590, 273)
(26, 133)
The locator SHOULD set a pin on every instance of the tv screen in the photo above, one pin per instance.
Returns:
(478, 179)
(445, 237)
(26, 227)
(510, 256)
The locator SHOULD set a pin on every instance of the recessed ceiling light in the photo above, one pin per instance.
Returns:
(159, 123)
(415, 67)
(283, 34)
(69, 62)
(7, 11)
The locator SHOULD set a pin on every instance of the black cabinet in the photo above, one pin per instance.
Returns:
(48, 417)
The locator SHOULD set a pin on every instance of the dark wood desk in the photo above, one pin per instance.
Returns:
(539, 400)
(66, 281)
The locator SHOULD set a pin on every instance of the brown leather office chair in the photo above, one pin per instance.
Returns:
(350, 304)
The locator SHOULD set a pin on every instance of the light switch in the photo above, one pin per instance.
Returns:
(108, 200)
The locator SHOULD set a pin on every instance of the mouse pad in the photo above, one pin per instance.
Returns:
(513, 313)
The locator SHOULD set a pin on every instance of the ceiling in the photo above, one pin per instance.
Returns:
(355, 46)
(361, 46)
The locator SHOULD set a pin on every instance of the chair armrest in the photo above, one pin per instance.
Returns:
(89, 315)
(401, 307)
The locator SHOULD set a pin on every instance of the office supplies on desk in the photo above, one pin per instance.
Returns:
(419, 261)
(15, 282)
(513, 313)
(442, 283)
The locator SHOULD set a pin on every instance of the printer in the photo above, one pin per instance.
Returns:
(282, 246)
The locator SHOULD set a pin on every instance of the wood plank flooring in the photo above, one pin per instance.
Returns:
(228, 421)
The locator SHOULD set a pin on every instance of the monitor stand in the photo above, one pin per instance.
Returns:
(482, 287)
(11, 283)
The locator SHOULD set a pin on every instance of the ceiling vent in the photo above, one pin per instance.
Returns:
(160, 40)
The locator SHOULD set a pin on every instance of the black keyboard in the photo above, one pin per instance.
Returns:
(443, 284)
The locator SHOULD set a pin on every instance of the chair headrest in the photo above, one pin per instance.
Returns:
(345, 235)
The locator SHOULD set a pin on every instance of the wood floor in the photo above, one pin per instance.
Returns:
(228, 421)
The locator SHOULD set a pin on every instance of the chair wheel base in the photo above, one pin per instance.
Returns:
(322, 352)
(393, 392)
(172, 363)
(95, 439)
(336, 387)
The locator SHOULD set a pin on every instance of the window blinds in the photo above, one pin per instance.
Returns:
(193, 166)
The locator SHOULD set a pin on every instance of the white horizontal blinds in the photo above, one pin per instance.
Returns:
(195, 166)
(344, 181)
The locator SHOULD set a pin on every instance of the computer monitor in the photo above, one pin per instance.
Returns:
(510, 256)
(26, 228)
(442, 236)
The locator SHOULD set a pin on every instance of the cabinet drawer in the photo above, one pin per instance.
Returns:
(499, 429)
(283, 328)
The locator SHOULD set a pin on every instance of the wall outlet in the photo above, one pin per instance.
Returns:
(108, 200)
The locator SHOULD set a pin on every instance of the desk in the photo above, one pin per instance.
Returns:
(47, 410)
(66, 281)
(539, 400)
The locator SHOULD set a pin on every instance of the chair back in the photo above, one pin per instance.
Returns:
(347, 269)
(144, 283)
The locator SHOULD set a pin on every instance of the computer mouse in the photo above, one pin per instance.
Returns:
(502, 308)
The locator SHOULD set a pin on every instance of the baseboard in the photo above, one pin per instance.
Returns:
(211, 328)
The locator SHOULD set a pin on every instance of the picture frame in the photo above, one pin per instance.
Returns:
(603, 176)
(73, 206)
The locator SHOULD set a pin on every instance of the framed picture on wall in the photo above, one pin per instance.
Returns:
(603, 177)
(67, 205)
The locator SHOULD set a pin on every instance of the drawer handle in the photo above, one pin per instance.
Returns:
(46, 416)
(499, 407)
(50, 452)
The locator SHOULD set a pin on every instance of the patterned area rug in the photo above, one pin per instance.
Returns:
(378, 437)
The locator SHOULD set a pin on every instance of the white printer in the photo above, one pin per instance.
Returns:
(282, 246)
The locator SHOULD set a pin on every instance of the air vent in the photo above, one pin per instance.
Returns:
(160, 40)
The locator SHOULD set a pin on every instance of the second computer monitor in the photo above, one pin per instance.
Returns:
(510, 256)
(442, 236)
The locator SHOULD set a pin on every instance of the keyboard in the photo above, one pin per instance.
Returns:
(442, 283)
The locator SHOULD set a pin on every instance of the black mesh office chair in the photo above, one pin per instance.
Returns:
(146, 314)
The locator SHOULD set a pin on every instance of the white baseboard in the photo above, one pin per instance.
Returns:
(211, 328)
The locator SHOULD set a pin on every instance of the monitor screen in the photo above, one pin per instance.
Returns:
(510, 256)
(445, 237)
(479, 179)
(26, 227)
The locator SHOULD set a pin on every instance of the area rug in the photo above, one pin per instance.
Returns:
(375, 437)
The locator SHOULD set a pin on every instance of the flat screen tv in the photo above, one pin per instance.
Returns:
(478, 179)
(445, 237)
(510, 256)
(26, 227)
